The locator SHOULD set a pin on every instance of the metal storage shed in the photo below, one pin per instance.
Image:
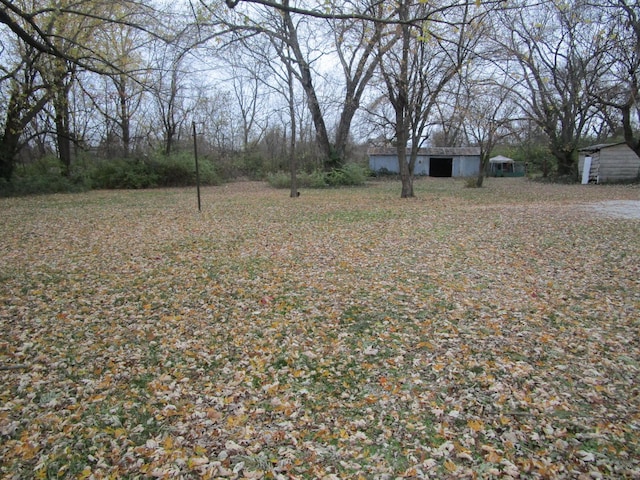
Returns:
(608, 162)
(432, 161)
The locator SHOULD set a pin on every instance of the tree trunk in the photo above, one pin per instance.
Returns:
(322, 136)
(292, 142)
(9, 146)
(125, 125)
(406, 173)
(18, 116)
(565, 161)
(481, 172)
(170, 133)
(63, 134)
(10, 140)
(401, 107)
(344, 128)
(407, 185)
(627, 127)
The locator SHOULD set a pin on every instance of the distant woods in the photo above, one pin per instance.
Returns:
(289, 86)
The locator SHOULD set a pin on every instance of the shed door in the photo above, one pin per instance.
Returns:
(586, 170)
(441, 167)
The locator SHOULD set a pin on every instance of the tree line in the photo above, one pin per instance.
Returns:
(297, 84)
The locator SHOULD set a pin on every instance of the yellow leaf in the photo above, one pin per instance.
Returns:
(194, 462)
(450, 466)
(493, 457)
(85, 473)
(475, 425)
(236, 420)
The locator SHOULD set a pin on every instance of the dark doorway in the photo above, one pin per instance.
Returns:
(440, 167)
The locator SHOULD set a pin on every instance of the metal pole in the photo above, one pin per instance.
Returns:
(195, 153)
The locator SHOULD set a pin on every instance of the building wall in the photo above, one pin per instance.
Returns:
(466, 166)
(617, 163)
(463, 165)
(383, 162)
(611, 164)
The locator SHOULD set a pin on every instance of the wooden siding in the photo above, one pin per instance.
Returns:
(618, 163)
(610, 163)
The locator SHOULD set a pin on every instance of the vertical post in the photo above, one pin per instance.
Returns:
(195, 154)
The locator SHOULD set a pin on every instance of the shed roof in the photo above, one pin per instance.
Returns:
(501, 159)
(430, 151)
(600, 146)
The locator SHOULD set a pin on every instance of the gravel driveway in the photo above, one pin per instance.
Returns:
(617, 208)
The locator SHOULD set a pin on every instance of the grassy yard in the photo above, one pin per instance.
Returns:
(467, 333)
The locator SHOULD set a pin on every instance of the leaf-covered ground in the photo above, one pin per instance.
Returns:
(467, 333)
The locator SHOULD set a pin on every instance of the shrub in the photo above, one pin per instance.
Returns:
(180, 171)
(161, 171)
(471, 182)
(354, 174)
(44, 176)
(251, 165)
(125, 174)
(280, 180)
(316, 179)
(335, 178)
(42, 184)
(349, 175)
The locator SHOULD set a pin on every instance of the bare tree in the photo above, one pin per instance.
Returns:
(487, 117)
(250, 74)
(168, 91)
(307, 38)
(26, 97)
(282, 80)
(30, 22)
(620, 85)
(558, 49)
(424, 60)
(59, 74)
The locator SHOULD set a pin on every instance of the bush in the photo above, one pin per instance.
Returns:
(471, 182)
(335, 178)
(280, 180)
(354, 174)
(316, 179)
(180, 171)
(43, 184)
(349, 175)
(251, 165)
(125, 174)
(44, 176)
(173, 171)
